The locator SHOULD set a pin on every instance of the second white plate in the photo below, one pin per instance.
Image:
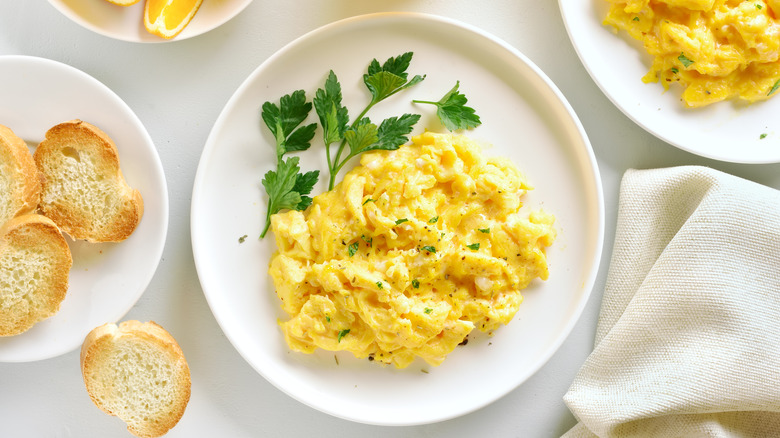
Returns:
(524, 116)
(106, 279)
(725, 131)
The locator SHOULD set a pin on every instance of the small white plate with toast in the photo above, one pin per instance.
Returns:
(106, 279)
(126, 22)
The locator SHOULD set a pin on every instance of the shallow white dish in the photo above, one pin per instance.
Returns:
(126, 22)
(106, 279)
(726, 131)
(524, 116)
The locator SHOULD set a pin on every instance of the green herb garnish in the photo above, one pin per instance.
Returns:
(368, 200)
(242, 239)
(433, 220)
(428, 310)
(636, 18)
(343, 333)
(362, 135)
(287, 187)
(400, 221)
(352, 249)
(453, 112)
(416, 283)
(368, 240)
(484, 230)
(380, 285)
(685, 60)
(674, 70)
(774, 88)
(429, 248)
(762, 136)
(473, 246)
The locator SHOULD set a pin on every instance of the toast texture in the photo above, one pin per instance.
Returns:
(35, 263)
(136, 371)
(83, 189)
(20, 187)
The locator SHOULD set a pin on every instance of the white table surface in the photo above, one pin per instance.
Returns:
(177, 90)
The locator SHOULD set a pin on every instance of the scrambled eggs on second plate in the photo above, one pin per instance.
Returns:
(717, 49)
(411, 252)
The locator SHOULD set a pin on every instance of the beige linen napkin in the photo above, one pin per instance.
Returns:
(688, 339)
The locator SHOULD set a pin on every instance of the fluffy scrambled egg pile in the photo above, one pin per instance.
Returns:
(411, 252)
(716, 49)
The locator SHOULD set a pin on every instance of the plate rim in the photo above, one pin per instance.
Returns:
(588, 282)
(156, 254)
(153, 39)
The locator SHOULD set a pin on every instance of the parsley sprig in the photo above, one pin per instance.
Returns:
(382, 81)
(287, 187)
(453, 112)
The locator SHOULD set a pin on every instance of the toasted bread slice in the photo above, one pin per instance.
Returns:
(84, 191)
(20, 187)
(35, 263)
(137, 372)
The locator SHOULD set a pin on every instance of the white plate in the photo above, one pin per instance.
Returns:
(726, 131)
(106, 279)
(126, 22)
(524, 116)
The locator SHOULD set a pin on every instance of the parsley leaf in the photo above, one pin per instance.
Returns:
(473, 246)
(286, 188)
(352, 249)
(431, 249)
(400, 221)
(686, 62)
(343, 333)
(283, 120)
(366, 136)
(380, 285)
(433, 220)
(484, 230)
(416, 283)
(453, 112)
(389, 78)
(368, 200)
(428, 310)
(333, 116)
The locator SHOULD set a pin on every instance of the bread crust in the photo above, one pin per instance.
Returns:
(20, 186)
(33, 289)
(101, 344)
(83, 188)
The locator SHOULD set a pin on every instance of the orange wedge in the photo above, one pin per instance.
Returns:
(166, 18)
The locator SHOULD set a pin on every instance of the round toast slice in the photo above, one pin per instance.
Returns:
(20, 187)
(136, 371)
(83, 189)
(35, 264)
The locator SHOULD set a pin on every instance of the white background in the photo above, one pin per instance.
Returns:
(178, 89)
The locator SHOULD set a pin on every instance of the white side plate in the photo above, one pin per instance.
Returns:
(106, 279)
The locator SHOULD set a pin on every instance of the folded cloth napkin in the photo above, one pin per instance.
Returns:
(688, 339)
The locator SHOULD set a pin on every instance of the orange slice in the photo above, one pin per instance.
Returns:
(166, 18)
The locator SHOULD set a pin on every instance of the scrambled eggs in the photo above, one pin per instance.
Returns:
(411, 252)
(716, 49)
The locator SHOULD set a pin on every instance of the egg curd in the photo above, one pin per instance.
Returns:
(716, 49)
(412, 251)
